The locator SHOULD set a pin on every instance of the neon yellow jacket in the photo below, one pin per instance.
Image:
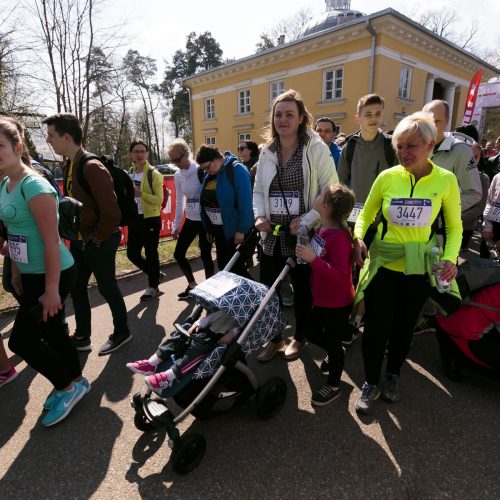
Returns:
(440, 186)
(151, 200)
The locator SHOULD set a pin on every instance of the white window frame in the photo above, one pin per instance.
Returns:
(243, 101)
(244, 137)
(209, 108)
(210, 140)
(333, 83)
(275, 89)
(405, 75)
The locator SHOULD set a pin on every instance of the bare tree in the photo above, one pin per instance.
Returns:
(140, 69)
(444, 23)
(67, 29)
(289, 27)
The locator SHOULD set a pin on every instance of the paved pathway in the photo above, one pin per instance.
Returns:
(440, 441)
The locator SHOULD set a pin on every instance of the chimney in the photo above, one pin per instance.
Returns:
(281, 40)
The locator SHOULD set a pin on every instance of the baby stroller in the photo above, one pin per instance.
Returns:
(223, 378)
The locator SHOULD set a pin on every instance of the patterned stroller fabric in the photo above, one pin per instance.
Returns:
(239, 298)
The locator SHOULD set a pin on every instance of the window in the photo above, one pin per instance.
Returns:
(210, 141)
(275, 89)
(404, 82)
(209, 108)
(244, 101)
(243, 137)
(332, 84)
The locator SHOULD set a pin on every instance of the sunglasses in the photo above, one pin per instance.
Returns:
(177, 160)
(242, 148)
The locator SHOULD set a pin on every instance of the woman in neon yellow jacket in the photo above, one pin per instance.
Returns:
(395, 279)
(145, 231)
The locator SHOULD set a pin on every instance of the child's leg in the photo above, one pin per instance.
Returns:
(336, 324)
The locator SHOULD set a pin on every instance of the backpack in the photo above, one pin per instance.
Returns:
(390, 155)
(123, 186)
(69, 211)
(473, 275)
(165, 190)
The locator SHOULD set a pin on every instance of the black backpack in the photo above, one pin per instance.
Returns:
(390, 155)
(123, 185)
(69, 212)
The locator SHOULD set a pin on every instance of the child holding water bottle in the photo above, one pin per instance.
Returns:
(330, 256)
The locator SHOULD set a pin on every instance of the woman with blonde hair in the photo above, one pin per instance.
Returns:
(394, 279)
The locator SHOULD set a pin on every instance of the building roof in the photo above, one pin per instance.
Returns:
(327, 20)
(402, 23)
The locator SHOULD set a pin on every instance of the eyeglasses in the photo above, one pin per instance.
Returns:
(242, 148)
(177, 160)
(206, 166)
(139, 151)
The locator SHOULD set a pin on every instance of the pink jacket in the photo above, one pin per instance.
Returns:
(331, 277)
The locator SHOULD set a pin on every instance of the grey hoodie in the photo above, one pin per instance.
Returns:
(367, 162)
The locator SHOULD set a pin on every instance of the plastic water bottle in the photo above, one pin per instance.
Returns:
(442, 286)
(302, 239)
(493, 249)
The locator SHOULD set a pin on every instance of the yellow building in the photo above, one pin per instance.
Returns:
(337, 58)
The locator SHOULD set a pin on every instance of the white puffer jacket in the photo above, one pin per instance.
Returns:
(319, 171)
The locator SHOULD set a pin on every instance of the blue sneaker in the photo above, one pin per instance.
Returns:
(52, 396)
(64, 401)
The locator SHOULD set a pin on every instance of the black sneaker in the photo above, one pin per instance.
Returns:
(114, 342)
(185, 294)
(325, 366)
(162, 276)
(390, 388)
(325, 395)
(81, 344)
(351, 335)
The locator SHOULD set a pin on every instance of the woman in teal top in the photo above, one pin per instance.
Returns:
(394, 280)
(42, 275)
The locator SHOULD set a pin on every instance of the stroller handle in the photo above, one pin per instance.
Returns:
(181, 329)
(239, 248)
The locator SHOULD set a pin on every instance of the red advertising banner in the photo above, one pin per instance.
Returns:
(167, 214)
(470, 103)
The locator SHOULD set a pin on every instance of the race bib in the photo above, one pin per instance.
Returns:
(353, 216)
(214, 215)
(318, 245)
(279, 202)
(410, 212)
(139, 205)
(18, 248)
(192, 207)
(494, 213)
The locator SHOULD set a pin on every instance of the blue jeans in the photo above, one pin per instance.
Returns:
(101, 262)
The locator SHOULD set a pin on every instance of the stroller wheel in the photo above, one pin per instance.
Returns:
(271, 397)
(188, 453)
(142, 422)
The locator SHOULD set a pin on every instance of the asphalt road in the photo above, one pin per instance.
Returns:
(440, 441)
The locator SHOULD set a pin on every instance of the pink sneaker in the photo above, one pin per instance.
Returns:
(144, 367)
(158, 381)
(9, 376)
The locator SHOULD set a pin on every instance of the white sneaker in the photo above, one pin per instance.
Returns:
(149, 294)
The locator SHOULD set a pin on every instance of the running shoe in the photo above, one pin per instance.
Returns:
(143, 366)
(364, 404)
(325, 395)
(158, 381)
(64, 402)
(114, 342)
(150, 293)
(49, 402)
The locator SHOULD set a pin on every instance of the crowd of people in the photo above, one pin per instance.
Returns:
(373, 206)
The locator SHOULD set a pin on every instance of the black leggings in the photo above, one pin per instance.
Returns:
(393, 302)
(145, 233)
(189, 231)
(45, 346)
(270, 267)
(225, 250)
(327, 329)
